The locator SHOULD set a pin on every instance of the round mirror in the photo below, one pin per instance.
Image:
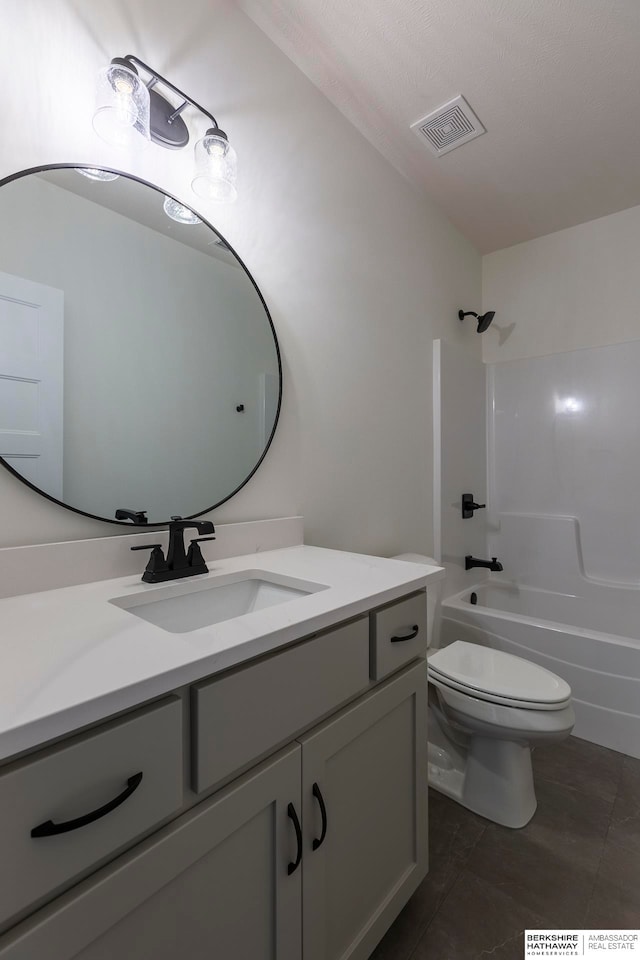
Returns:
(140, 374)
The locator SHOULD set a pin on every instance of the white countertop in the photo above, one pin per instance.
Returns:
(69, 657)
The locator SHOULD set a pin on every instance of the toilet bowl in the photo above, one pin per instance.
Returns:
(486, 710)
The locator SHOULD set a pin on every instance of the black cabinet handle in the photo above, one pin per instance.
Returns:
(409, 636)
(50, 829)
(291, 813)
(318, 841)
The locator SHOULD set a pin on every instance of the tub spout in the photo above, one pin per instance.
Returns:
(494, 564)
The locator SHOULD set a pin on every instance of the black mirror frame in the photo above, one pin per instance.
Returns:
(119, 523)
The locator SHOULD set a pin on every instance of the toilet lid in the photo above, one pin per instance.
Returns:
(492, 673)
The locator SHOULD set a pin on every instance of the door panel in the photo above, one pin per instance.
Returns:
(369, 765)
(221, 906)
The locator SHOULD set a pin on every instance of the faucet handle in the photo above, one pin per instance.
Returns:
(194, 554)
(157, 561)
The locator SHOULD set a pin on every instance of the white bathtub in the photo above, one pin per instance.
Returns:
(593, 642)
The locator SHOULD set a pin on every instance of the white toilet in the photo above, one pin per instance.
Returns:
(486, 709)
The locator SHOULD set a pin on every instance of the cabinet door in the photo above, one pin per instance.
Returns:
(368, 767)
(215, 883)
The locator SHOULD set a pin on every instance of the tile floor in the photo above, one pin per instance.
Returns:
(576, 864)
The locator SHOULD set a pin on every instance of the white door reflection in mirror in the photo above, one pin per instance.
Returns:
(31, 387)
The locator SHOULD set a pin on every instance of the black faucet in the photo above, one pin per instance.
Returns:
(494, 565)
(179, 563)
(139, 517)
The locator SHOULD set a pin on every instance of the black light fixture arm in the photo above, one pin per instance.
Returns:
(131, 60)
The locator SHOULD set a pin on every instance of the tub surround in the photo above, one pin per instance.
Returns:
(546, 552)
(563, 463)
(563, 443)
(69, 657)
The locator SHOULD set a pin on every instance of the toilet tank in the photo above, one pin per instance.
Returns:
(433, 594)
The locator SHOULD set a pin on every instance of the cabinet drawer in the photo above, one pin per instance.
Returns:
(243, 715)
(58, 791)
(398, 635)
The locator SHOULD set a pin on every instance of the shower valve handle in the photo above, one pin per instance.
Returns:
(469, 505)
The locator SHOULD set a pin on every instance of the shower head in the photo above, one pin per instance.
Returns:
(484, 321)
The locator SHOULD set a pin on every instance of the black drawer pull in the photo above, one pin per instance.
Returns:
(409, 636)
(318, 841)
(50, 829)
(291, 813)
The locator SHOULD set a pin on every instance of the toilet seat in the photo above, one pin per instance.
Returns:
(497, 677)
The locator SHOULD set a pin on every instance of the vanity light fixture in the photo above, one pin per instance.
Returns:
(130, 111)
(179, 212)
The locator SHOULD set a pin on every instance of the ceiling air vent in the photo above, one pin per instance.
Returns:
(448, 127)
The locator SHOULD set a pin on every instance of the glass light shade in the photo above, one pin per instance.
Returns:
(122, 107)
(95, 173)
(178, 212)
(216, 169)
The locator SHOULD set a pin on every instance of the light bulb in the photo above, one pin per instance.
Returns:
(216, 147)
(216, 167)
(95, 173)
(122, 105)
(179, 212)
(122, 84)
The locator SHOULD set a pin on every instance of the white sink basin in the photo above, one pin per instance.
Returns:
(186, 606)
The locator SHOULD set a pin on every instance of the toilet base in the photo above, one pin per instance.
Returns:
(494, 779)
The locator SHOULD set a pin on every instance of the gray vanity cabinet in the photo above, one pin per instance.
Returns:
(310, 855)
(368, 767)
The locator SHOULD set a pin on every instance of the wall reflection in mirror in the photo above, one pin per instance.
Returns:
(139, 368)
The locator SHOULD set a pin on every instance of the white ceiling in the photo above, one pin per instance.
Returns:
(556, 83)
